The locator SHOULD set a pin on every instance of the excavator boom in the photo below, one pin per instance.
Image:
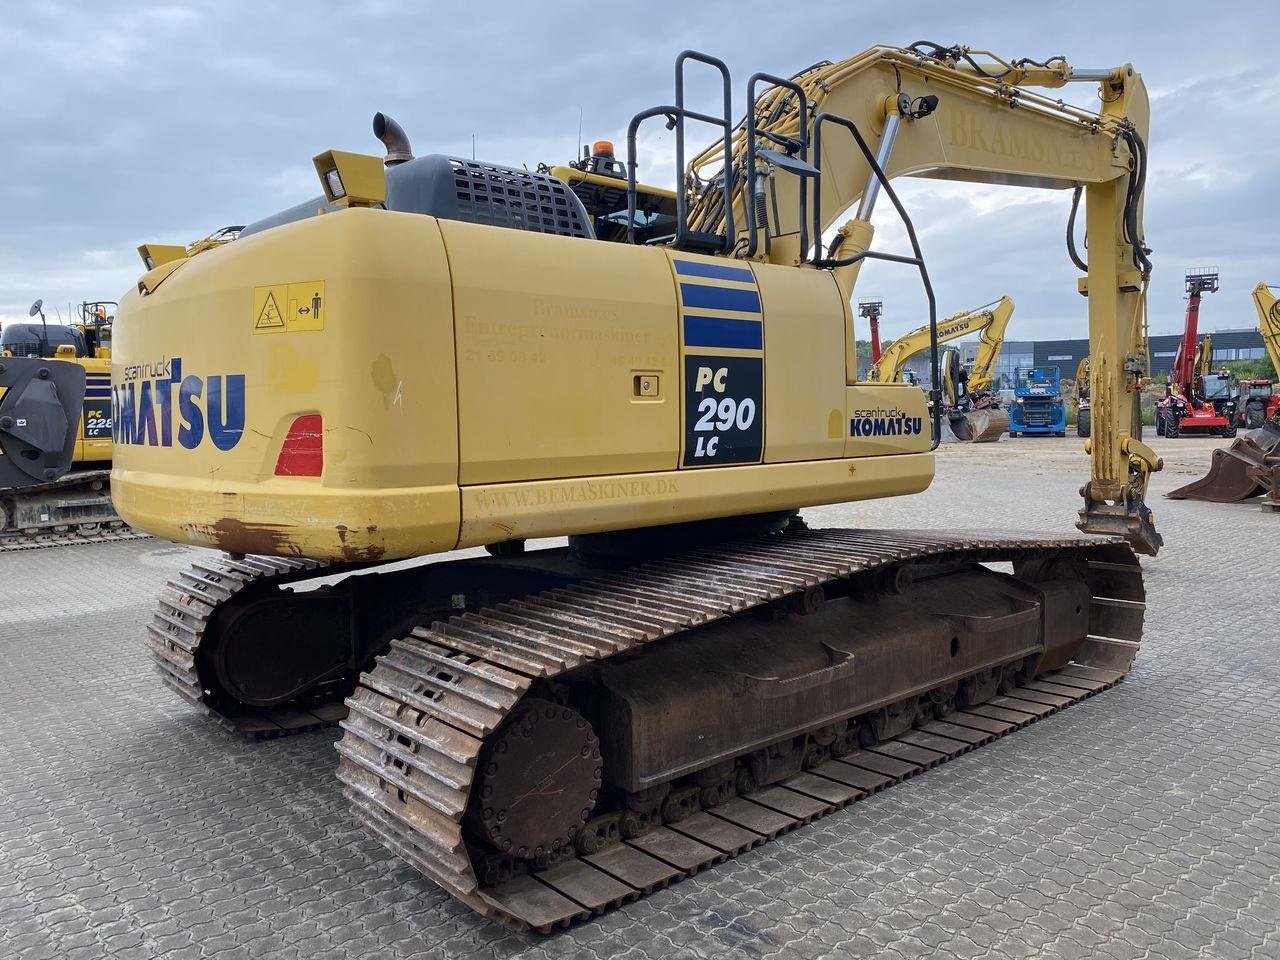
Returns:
(960, 114)
(990, 320)
(1268, 307)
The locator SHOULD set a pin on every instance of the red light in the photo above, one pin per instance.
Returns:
(302, 454)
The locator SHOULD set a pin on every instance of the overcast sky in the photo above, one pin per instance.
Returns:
(134, 122)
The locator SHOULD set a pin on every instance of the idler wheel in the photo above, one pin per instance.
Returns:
(539, 780)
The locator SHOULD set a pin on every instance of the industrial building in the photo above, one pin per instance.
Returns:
(1235, 344)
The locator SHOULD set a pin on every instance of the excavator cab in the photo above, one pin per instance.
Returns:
(600, 181)
(41, 340)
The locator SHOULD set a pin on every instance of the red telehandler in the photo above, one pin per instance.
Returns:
(1196, 398)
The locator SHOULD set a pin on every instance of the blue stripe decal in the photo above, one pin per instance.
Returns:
(721, 332)
(95, 395)
(715, 271)
(719, 298)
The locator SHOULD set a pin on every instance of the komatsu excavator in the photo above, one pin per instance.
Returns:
(54, 477)
(453, 356)
(973, 409)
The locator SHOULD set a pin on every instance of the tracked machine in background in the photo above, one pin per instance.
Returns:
(55, 431)
(456, 357)
(1258, 400)
(970, 404)
(1082, 398)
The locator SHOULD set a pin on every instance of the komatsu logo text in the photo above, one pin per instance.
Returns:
(880, 422)
(154, 404)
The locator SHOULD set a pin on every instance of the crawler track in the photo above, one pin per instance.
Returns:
(74, 536)
(419, 720)
(182, 618)
(37, 515)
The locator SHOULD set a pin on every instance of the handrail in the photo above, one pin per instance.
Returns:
(935, 394)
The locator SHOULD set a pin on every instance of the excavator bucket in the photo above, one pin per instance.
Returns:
(987, 425)
(1245, 469)
(976, 426)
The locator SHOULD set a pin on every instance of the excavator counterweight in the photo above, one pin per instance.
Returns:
(460, 353)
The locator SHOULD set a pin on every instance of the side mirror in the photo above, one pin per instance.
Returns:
(35, 308)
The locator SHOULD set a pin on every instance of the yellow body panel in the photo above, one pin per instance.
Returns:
(551, 335)
(479, 384)
(93, 433)
(805, 367)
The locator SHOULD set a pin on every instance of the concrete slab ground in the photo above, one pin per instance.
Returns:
(1144, 822)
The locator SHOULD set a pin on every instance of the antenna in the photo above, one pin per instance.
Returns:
(578, 146)
(473, 146)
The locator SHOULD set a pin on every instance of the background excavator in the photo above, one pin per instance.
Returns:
(1197, 397)
(1258, 400)
(1250, 467)
(1082, 398)
(455, 356)
(54, 478)
(971, 406)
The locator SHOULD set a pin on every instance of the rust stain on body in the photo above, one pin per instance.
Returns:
(356, 553)
(238, 536)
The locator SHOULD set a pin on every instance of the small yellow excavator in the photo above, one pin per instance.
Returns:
(972, 408)
(458, 355)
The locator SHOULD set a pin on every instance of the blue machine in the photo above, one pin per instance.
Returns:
(1037, 403)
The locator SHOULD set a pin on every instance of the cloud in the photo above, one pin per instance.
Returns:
(138, 122)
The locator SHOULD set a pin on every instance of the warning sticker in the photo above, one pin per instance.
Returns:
(289, 307)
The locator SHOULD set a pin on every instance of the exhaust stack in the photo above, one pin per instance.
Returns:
(393, 138)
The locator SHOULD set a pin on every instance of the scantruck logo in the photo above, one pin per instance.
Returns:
(881, 422)
(154, 404)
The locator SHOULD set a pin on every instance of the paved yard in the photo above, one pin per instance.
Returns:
(1142, 823)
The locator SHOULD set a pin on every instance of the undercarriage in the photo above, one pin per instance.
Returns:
(75, 508)
(547, 736)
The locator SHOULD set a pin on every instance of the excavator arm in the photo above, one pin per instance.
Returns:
(1264, 299)
(990, 320)
(958, 114)
(983, 372)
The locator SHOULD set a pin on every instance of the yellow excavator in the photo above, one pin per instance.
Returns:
(1082, 398)
(456, 356)
(55, 430)
(1259, 399)
(973, 408)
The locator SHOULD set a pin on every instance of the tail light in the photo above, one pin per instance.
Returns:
(302, 454)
